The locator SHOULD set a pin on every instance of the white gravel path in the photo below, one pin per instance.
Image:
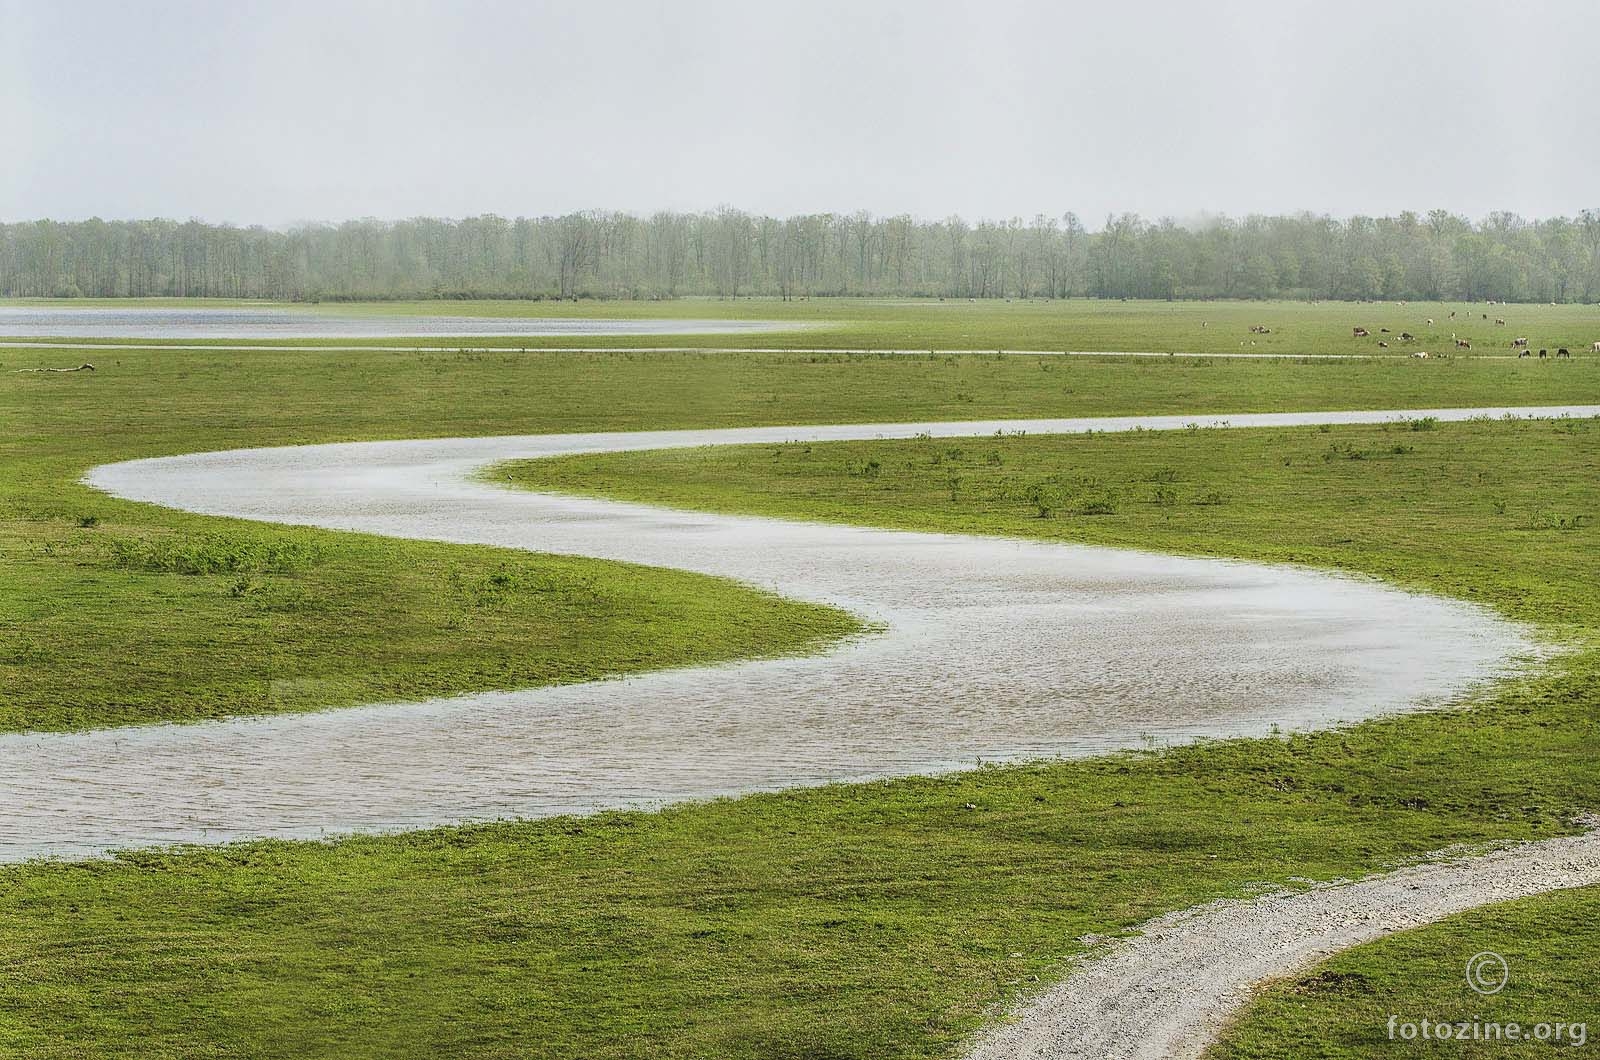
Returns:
(1167, 993)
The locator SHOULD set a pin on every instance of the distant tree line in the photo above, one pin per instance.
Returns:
(731, 253)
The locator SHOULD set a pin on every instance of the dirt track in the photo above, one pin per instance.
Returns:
(1170, 991)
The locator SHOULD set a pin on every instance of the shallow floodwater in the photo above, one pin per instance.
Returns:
(993, 649)
(152, 323)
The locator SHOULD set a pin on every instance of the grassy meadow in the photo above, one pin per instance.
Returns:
(1342, 1009)
(1435, 506)
(874, 920)
(1500, 512)
(237, 618)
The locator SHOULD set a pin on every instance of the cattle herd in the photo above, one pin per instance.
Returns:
(1520, 343)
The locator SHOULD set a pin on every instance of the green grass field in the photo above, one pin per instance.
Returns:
(1438, 509)
(1501, 512)
(706, 930)
(1343, 1008)
(1076, 324)
(240, 618)
(879, 920)
(115, 613)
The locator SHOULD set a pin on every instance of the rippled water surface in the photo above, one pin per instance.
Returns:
(993, 649)
(94, 323)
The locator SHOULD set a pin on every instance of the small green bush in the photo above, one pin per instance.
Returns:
(213, 554)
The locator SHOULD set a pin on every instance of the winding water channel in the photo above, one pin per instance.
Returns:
(990, 649)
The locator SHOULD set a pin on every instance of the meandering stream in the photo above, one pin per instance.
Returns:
(989, 649)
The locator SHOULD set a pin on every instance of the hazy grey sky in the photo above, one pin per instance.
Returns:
(283, 111)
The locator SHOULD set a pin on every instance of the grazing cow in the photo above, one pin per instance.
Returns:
(1361, 333)
(1384, 330)
(1543, 354)
(1406, 336)
(1421, 355)
(1430, 322)
(1525, 353)
(1518, 342)
(1563, 352)
(1463, 344)
(1383, 345)
(1500, 321)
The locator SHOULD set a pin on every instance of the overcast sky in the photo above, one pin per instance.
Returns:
(277, 111)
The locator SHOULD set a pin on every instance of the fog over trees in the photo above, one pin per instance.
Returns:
(730, 253)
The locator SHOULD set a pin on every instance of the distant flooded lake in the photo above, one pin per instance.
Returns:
(145, 323)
